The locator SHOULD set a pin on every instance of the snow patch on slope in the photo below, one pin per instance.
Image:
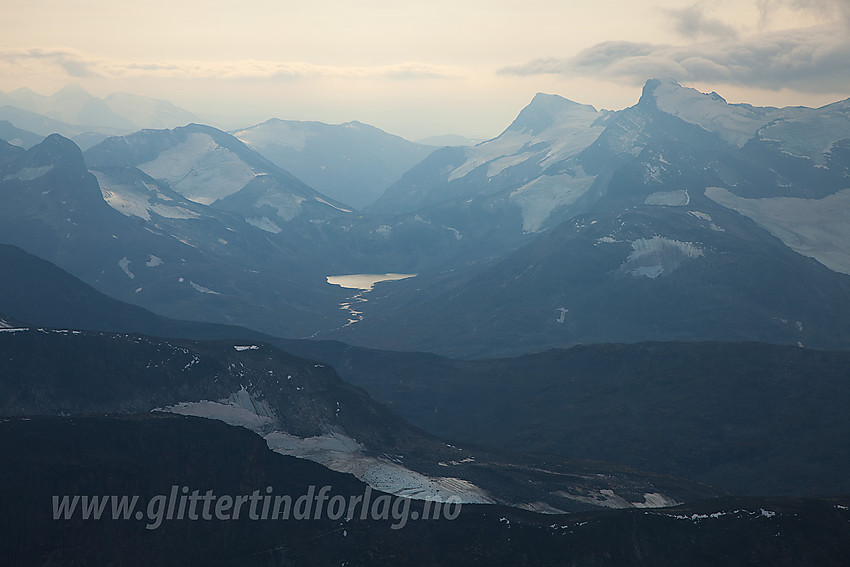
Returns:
(651, 257)
(28, 173)
(124, 264)
(240, 408)
(678, 198)
(200, 169)
(140, 200)
(287, 205)
(323, 201)
(202, 289)
(264, 223)
(817, 228)
(809, 134)
(607, 498)
(334, 450)
(343, 454)
(539, 198)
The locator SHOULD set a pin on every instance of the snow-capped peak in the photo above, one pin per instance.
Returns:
(566, 127)
(734, 123)
(546, 110)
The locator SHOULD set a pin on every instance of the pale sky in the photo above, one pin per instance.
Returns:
(419, 69)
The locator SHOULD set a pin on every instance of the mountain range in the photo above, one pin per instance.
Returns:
(680, 218)
(645, 309)
(117, 112)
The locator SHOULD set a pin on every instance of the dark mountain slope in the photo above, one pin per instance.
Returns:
(148, 455)
(696, 272)
(182, 260)
(750, 418)
(301, 408)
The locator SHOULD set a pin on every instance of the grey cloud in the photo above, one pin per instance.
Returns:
(692, 21)
(72, 62)
(808, 60)
(825, 9)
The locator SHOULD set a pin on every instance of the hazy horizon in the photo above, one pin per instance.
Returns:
(419, 70)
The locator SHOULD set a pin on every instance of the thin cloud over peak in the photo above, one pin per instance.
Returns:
(815, 60)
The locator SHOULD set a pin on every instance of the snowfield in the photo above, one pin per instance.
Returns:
(541, 197)
(734, 123)
(678, 198)
(28, 173)
(140, 200)
(651, 257)
(334, 450)
(200, 169)
(817, 228)
(343, 454)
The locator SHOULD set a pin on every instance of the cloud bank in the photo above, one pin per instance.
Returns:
(814, 60)
(78, 65)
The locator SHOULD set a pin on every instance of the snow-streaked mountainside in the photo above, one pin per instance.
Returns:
(560, 158)
(142, 196)
(683, 173)
(300, 408)
(798, 131)
(548, 131)
(718, 182)
(352, 162)
(200, 169)
(137, 239)
(819, 228)
(565, 126)
(735, 124)
(653, 272)
(206, 165)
